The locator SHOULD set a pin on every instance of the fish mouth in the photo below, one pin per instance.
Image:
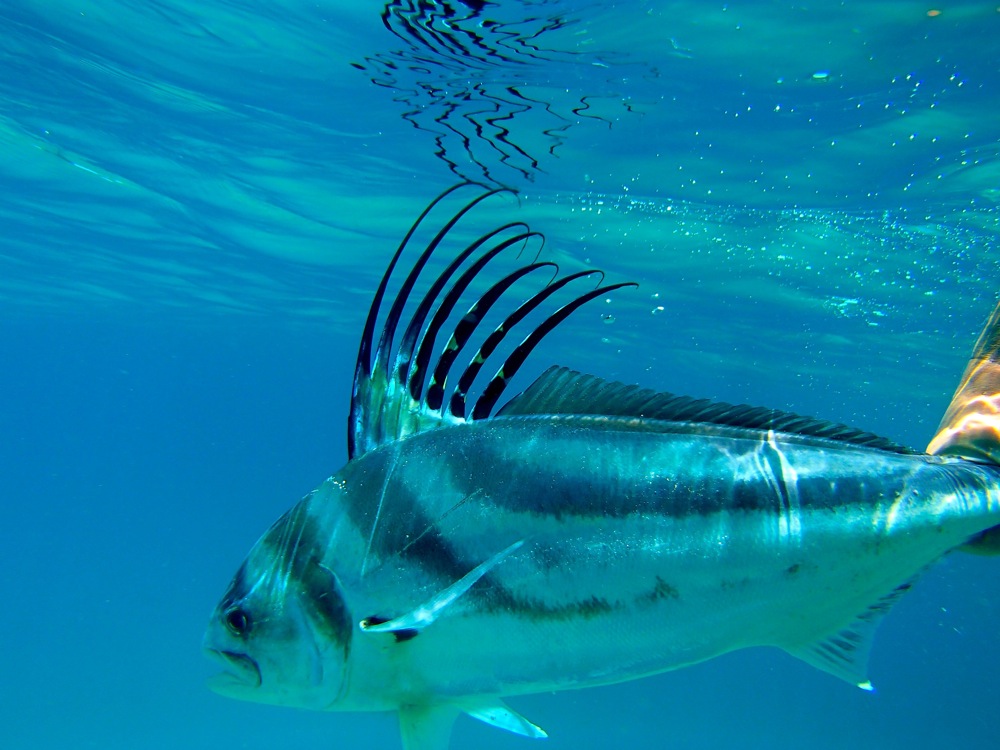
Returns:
(241, 671)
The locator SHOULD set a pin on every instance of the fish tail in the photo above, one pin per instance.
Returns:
(970, 427)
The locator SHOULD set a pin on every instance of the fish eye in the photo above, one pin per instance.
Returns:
(238, 621)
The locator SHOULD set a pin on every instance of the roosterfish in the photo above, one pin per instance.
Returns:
(584, 533)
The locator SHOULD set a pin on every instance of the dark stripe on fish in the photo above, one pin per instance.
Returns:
(402, 528)
(298, 548)
(534, 608)
(545, 487)
(237, 589)
(327, 605)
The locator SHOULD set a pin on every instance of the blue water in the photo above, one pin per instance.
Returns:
(197, 199)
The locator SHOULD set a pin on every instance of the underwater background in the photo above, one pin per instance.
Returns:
(198, 198)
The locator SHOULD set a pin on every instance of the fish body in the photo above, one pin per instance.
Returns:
(586, 533)
(648, 546)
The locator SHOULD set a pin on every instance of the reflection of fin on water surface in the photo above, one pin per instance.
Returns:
(464, 72)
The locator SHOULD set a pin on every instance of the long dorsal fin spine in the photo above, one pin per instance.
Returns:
(396, 310)
(361, 392)
(457, 407)
(398, 389)
(495, 388)
(468, 325)
(417, 376)
(411, 336)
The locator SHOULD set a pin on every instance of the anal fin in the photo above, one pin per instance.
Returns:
(844, 654)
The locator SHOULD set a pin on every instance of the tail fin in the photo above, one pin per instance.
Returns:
(971, 425)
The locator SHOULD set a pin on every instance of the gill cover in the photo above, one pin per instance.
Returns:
(283, 630)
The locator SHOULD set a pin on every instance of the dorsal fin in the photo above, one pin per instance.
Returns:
(560, 390)
(398, 389)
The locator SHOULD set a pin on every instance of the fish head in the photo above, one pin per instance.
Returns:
(282, 630)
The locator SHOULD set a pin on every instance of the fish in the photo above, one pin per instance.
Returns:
(587, 531)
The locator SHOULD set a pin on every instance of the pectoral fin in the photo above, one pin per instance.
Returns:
(429, 611)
